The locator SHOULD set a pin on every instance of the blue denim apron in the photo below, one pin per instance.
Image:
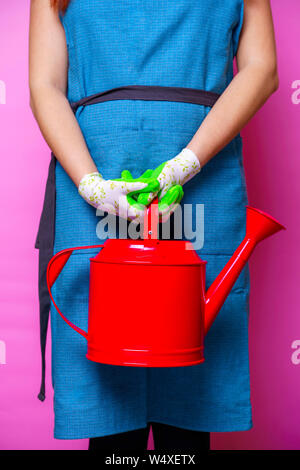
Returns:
(191, 44)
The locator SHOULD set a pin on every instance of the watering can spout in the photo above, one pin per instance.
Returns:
(259, 226)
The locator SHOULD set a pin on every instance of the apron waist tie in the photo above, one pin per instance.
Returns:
(46, 232)
(151, 93)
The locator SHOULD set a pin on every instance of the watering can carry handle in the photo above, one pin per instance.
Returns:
(54, 269)
(151, 221)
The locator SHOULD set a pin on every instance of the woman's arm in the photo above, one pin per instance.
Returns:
(48, 70)
(255, 81)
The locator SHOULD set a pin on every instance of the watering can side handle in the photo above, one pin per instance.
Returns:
(54, 268)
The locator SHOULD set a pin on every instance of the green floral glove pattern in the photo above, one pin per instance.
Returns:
(172, 173)
(117, 196)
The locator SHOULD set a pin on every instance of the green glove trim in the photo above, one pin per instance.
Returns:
(172, 198)
(152, 186)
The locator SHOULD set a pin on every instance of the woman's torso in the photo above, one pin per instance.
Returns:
(183, 43)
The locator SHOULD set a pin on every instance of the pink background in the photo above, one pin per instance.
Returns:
(271, 148)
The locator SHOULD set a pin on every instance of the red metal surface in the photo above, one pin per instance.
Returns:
(147, 300)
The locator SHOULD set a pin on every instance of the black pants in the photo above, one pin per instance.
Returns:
(166, 437)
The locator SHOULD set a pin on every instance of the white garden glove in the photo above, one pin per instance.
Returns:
(176, 171)
(116, 196)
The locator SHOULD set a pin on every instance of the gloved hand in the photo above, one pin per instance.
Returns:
(116, 196)
(174, 172)
(168, 203)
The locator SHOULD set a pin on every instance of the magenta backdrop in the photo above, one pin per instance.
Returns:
(271, 147)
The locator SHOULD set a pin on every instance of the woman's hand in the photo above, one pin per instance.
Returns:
(173, 173)
(117, 196)
(168, 203)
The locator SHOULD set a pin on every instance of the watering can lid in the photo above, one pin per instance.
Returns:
(159, 252)
(149, 250)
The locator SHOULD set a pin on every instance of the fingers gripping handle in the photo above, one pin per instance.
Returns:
(55, 267)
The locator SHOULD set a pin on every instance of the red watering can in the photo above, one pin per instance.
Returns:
(131, 332)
